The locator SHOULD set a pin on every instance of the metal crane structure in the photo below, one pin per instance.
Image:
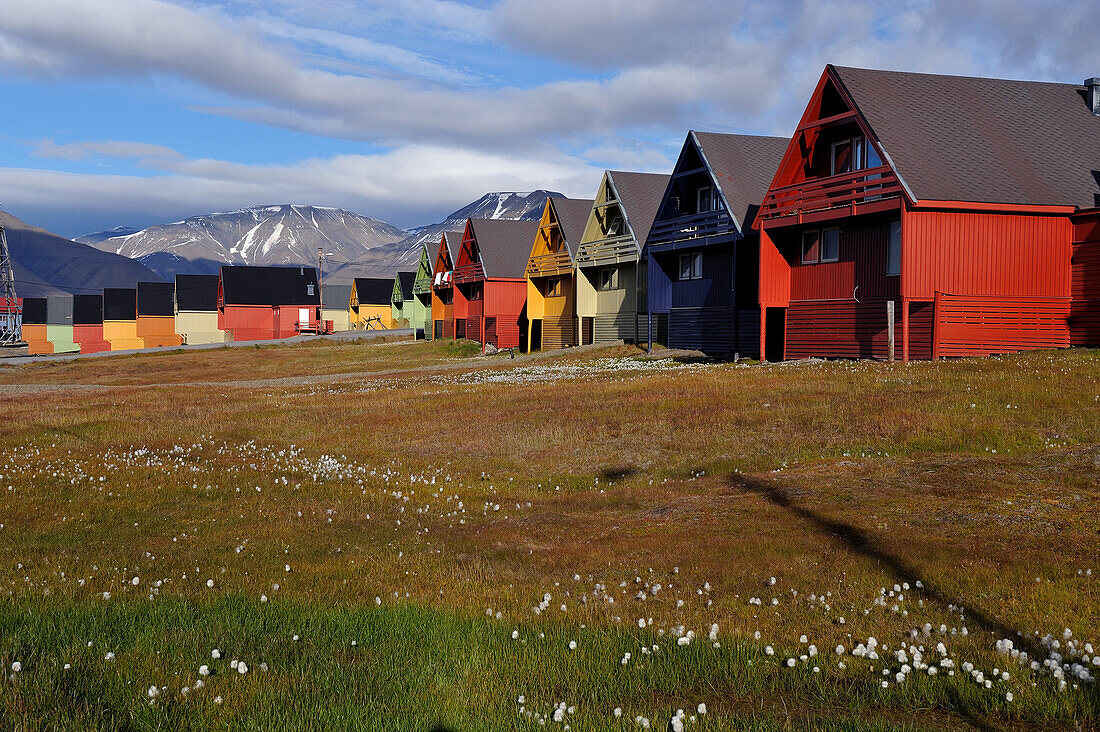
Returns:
(11, 313)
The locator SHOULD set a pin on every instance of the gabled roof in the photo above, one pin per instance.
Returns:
(335, 297)
(405, 281)
(374, 290)
(246, 285)
(504, 245)
(88, 309)
(197, 292)
(958, 138)
(640, 196)
(743, 167)
(572, 216)
(454, 243)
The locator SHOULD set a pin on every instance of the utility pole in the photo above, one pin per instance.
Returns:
(11, 314)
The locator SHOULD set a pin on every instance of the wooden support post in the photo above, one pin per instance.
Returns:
(890, 328)
(904, 331)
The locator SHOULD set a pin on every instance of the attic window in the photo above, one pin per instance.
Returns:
(847, 156)
(616, 226)
(309, 289)
(706, 199)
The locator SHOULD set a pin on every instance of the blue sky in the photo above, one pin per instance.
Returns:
(142, 111)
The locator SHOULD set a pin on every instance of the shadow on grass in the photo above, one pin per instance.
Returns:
(621, 472)
(860, 542)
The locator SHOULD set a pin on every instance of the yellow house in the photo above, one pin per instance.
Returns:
(197, 309)
(550, 288)
(370, 303)
(120, 319)
(335, 306)
(609, 271)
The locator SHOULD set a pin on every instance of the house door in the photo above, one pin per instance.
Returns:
(586, 331)
(438, 333)
(275, 320)
(775, 333)
(303, 319)
(536, 335)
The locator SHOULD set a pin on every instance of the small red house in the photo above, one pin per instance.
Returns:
(934, 214)
(262, 303)
(491, 275)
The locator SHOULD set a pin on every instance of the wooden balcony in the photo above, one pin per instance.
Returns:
(550, 265)
(468, 273)
(612, 250)
(693, 227)
(422, 287)
(847, 190)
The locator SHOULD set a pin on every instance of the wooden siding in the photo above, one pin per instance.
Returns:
(157, 331)
(35, 336)
(90, 338)
(973, 253)
(505, 300)
(557, 332)
(621, 326)
(774, 283)
(840, 329)
(715, 330)
(921, 320)
(861, 263)
(360, 317)
(122, 335)
(981, 326)
(61, 338)
(199, 327)
(1084, 316)
(340, 317)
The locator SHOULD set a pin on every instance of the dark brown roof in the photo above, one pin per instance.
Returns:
(743, 166)
(505, 245)
(454, 243)
(406, 280)
(374, 290)
(640, 196)
(958, 138)
(572, 216)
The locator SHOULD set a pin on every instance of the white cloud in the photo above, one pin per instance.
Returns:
(47, 148)
(407, 186)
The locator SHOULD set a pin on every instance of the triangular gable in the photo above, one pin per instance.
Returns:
(443, 262)
(423, 282)
(691, 161)
(830, 105)
(397, 297)
(468, 253)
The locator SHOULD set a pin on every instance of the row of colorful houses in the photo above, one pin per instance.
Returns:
(909, 216)
(241, 303)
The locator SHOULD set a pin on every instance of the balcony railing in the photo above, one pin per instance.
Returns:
(422, 286)
(612, 250)
(549, 265)
(469, 273)
(692, 226)
(846, 189)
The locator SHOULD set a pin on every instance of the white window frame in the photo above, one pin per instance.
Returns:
(699, 207)
(612, 274)
(694, 266)
(893, 244)
(857, 145)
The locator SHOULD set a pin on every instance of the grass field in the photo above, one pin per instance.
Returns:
(412, 536)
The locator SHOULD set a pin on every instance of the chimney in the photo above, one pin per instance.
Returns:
(1092, 94)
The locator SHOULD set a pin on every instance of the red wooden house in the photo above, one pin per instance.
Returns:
(491, 275)
(948, 206)
(447, 303)
(262, 303)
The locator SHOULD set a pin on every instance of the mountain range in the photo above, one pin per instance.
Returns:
(353, 245)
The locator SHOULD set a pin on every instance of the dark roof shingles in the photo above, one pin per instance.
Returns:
(505, 246)
(743, 166)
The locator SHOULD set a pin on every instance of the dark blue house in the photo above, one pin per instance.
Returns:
(702, 256)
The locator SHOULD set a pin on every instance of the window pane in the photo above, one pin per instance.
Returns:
(703, 200)
(893, 251)
(857, 153)
(809, 246)
(685, 266)
(830, 245)
(842, 157)
(697, 266)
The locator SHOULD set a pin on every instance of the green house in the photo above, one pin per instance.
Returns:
(422, 294)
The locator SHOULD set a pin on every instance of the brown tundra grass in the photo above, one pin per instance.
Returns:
(977, 478)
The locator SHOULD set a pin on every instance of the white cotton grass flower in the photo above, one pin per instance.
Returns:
(135, 581)
(209, 583)
(16, 666)
(242, 668)
(618, 711)
(153, 692)
(702, 708)
(204, 670)
(110, 656)
(572, 645)
(217, 700)
(215, 653)
(515, 635)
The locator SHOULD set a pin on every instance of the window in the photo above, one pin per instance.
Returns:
(553, 287)
(691, 266)
(847, 155)
(615, 228)
(706, 199)
(309, 289)
(893, 249)
(609, 278)
(811, 241)
(830, 245)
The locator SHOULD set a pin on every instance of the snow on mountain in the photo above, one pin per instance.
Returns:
(259, 235)
(99, 236)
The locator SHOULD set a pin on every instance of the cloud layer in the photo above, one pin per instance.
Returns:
(436, 76)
